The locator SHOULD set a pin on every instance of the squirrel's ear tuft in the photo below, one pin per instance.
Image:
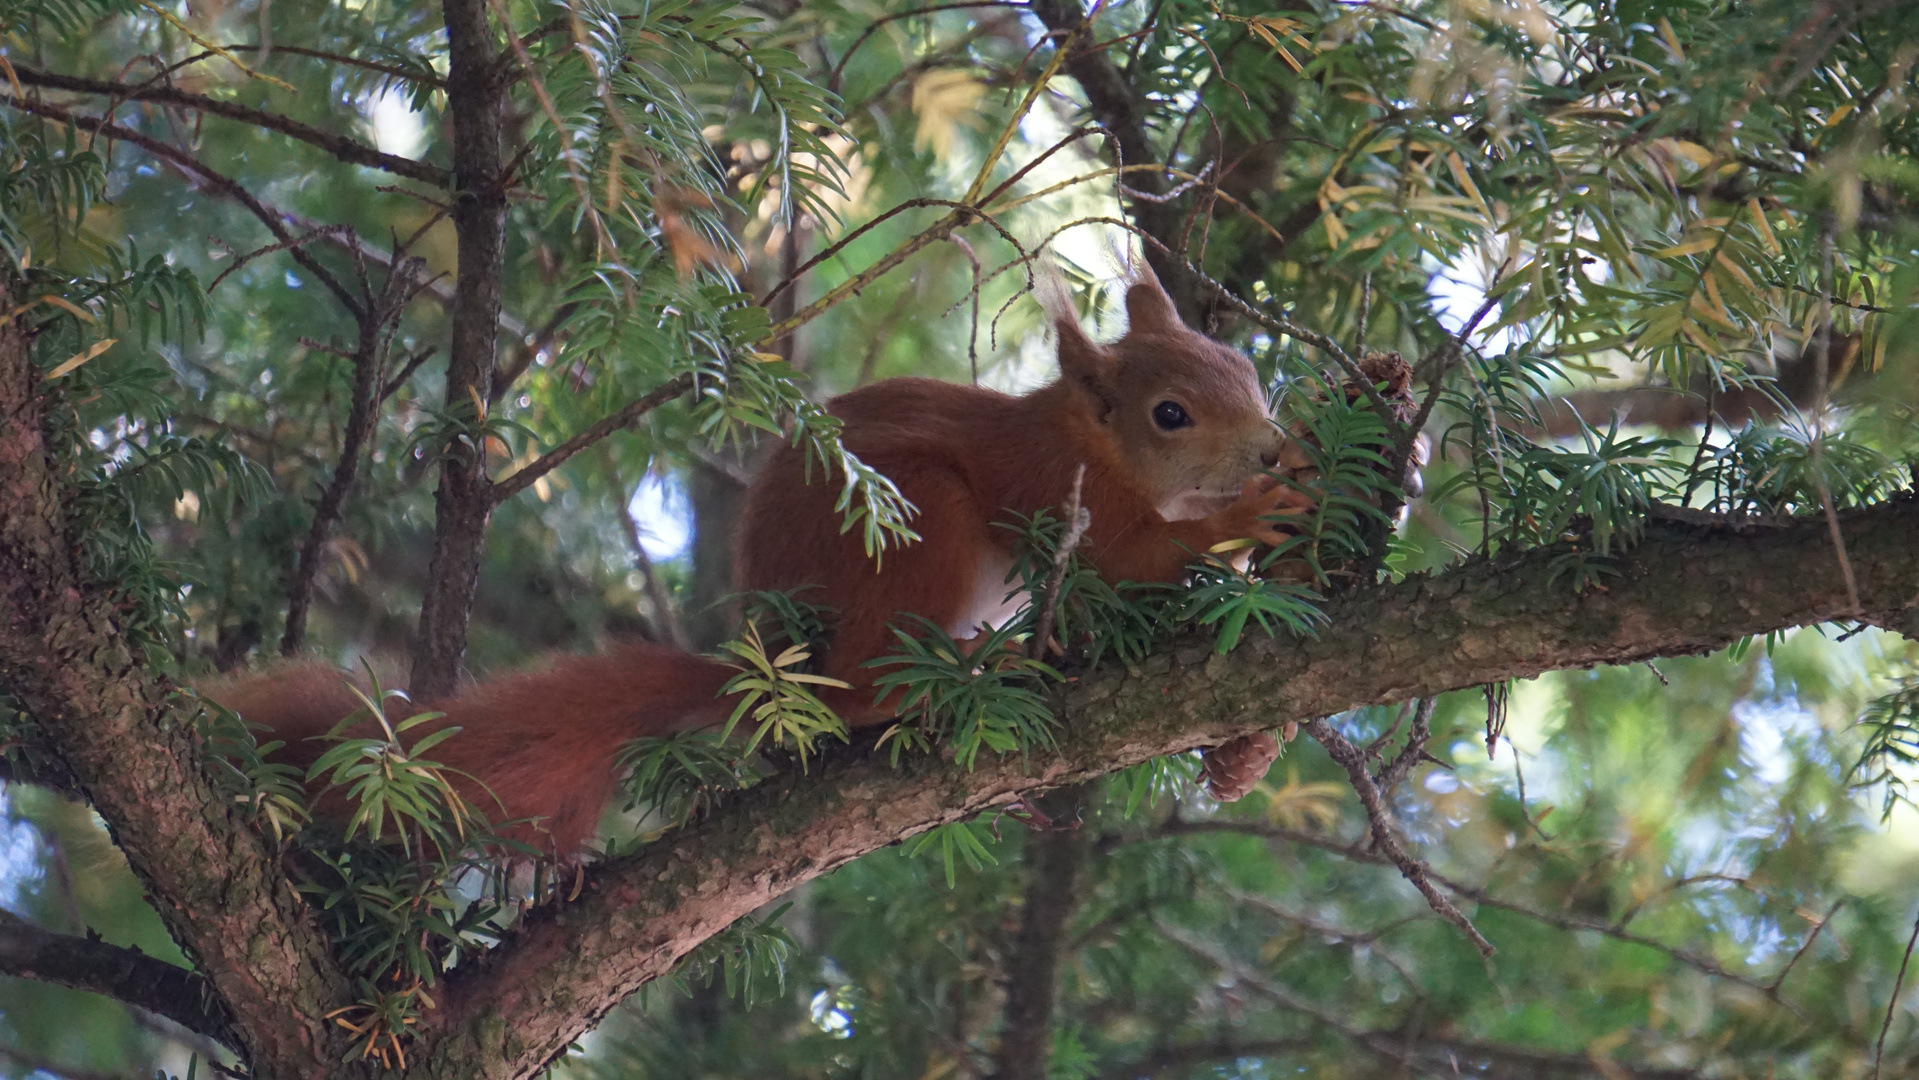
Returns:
(1083, 364)
(1148, 307)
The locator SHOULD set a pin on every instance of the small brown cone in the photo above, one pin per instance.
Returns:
(1232, 769)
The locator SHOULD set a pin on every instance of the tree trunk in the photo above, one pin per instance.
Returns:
(67, 658)
(463, 503)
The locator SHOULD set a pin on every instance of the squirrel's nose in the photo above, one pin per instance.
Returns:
(1269, 457)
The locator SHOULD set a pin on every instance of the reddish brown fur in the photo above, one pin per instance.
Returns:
(545, 742)
(966, 455)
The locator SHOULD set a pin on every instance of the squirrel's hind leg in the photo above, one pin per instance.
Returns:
(942, 578)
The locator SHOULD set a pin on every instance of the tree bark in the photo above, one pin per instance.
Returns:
(463, 503)
(1054, 859)
(1686, 589)
(64, 654)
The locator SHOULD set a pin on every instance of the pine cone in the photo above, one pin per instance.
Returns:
(1233, 769)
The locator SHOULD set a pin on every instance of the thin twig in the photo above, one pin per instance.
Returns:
(1438, 366)
(666, 620)
(377, 324)
(972, 328)
(1071, 137)
(307, 237)
(406, 372)
(1415, 749)
(345, 149)
(1805, 946)
(1351, 938)
(1277, 323)
(962, 214)
(1078, 520)
(273, 220)
(1392, 1045)
(1519, 776)
(1380, 818)
(833, 77)
(523, 478)
(422, 78)
(1357, 853)
(1013, 122)
(1892, 1003)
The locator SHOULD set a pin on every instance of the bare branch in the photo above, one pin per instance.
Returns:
(1379, 817)
(1892, 1002)
(186, 162)
(129, 975)
(1805, 946)
(1358, 853)
(666, 620)
(523, 478)
(1437, 367)
(369, 375)
(833, 77)
(1393, 1046)
(404, 74)
(351, 151)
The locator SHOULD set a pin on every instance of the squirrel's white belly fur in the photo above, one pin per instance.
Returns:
(995, 599)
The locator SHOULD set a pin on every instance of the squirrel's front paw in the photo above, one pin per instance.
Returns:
(1262, 499)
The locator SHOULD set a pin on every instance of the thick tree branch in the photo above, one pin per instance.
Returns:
(65, 657)
(129, 975)
(351, 151)
(1686, 589)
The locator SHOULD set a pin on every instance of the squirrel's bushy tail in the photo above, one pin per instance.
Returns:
(541, 744)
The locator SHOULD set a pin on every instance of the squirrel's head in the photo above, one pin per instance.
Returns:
(1184, 412)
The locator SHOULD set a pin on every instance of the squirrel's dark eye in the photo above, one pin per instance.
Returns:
(1170, 415)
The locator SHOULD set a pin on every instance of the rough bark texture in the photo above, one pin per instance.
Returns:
(64, 655)
(462, 503)
(1685, 589)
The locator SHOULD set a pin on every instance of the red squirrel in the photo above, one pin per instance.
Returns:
(1176, 440)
